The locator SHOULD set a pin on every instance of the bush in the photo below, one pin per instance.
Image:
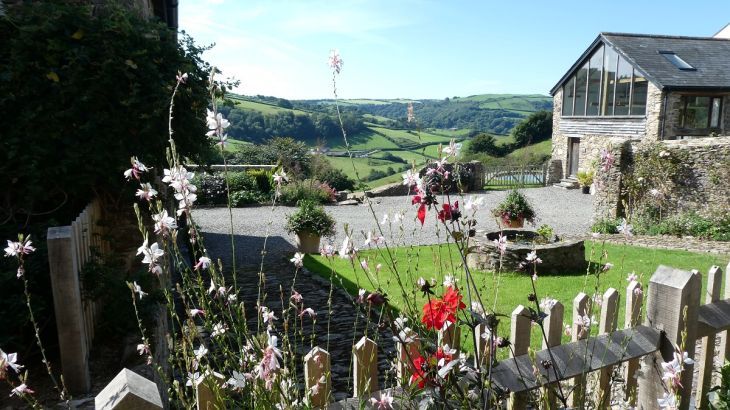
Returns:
(308, 190)
(240, 198)
(514, 206)
(310, 217)
(263, 180)
(323, 171)
(211, 189)
(241, 181)
(686, 224)
(606, 225)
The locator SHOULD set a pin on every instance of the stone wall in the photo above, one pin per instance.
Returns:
(705, 191)
(559, 151)
(654, 107)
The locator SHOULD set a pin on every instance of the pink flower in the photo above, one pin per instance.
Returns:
(163, 222)
(385, 402)
(21, 391)
(22, 247)
(197, 312)
(181, 78)
(146, 192)
(607, 159)
(203, 263)
(143, 349)
(632, 277)
(296, 297)
(307, 312)
(532, 257)
(137, 169)
(298, 259)
(335, 61)
(364, 264)
(327, 251)
(501, 244)
(269, 365)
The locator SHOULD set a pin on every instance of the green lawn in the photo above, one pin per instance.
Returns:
(366, 140)
(440, 260)
(540, 149)
(264, 108)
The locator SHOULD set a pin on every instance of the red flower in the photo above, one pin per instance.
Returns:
(417, 199)
(435, 313)
(421, 213)
(445, 214)
(452, 299)
(440, 354)
(420, 365)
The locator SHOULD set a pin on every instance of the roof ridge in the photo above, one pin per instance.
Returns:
(663, 36)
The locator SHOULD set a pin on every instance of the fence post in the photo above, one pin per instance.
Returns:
(553, 325)
(725, 336)
(128, 390)
(608, 324)
(317, 377)
(634, 299)
(69, 309)
(580, 304)
(672, 303)
(407, 353)
(365, 364)
(707, 356)
(450, 335)
(520, 337)
(208, 392)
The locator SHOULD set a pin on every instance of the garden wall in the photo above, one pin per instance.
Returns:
(703, 186)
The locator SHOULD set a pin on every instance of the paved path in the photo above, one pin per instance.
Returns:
(567, 211)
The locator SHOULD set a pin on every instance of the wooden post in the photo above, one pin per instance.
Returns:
(317, 377)
(725, 336)
(450, 335)
(407, 353)
(634, 300)
(580, 306)
(365, 364)
(553, 325)
(707, 356)
(209, 392)
(520, 338)
(672, 305)
(127, 391)
(69, 310)
(608, 324)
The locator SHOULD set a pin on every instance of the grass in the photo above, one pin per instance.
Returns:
(363, 165)
(439, 260)
(265, 108)
(542, 148)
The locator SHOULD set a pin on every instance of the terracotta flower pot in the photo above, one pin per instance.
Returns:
(514, 223)
(307, 242)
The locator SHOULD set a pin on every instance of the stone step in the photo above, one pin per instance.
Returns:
(567, 183)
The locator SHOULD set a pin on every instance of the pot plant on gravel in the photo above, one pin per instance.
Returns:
(310, 222)
(514, 210)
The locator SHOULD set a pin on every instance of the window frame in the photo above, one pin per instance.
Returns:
(684, 101)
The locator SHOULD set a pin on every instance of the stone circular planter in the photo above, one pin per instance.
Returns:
(307, 242)
(514, 223)
(564, 256)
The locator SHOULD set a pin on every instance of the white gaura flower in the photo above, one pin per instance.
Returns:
(298, 259)
(411, 178)
(151, 255)
(9, 360)
(138, 290)
(532, 257)
(347, 251)
(143, 349)
(218, 330)
(237, 380)
(216, 123)
(625, 228)
(384, 403)
(203, 263)
(473, 203)
(267, 315)
(385, 220)
(335, 61)
(21, 247)
(196, 312)
(146, 191)
(280, 177)
(194, 379)
(450, 281)
(453, 149)
(21, 391)
(164, 223)
(137, 169)
(308, 312)
(200, 352)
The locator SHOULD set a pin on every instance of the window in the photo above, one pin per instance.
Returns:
(677, 61)
(595, 67)
(699, 112)
(606, 85)
(568, 96)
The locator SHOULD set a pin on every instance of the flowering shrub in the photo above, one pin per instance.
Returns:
(514, 207)
(310, 217)
(310, 189)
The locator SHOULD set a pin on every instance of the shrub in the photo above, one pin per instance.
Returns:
(546, 232)
(323, 170)
(310, 217)
(606, 225)
(263, 179)
(211, 189)
(310, 189)
(585, 178)
(514, 206)
(685, 224)
(241, 181)
(240, 198)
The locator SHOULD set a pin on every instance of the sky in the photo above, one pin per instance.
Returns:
(421, 48)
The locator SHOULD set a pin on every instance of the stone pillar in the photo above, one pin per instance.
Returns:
(672, 305)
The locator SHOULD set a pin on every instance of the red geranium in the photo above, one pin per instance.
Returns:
(437, 311)
(452, 298)
(419, 371)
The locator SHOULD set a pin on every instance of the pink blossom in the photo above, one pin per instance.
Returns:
(632, 277)
(327, 251)
(296, 297)
(364, 264)
(146, 192)
(164, 223)
(532, 257)
(21, 391)
(307, 312)
(607, 159)
(203, 263)
(501, 244)
(385, 402)
(335, 61)
(137, 169)
(181, 78)
(269, 365)
(22, 247)
(197, 312)
(143, 349)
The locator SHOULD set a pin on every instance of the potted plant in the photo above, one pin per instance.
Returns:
(585, 179)
(310, 222)
(514, 210)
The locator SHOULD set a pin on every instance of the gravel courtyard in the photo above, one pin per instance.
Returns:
(567, 211)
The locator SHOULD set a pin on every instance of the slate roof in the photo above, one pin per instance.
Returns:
(709, 56)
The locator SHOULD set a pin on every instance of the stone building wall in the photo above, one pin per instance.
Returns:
(560, 142)
(654, 107)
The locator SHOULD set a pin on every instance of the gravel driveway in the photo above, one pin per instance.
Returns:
(567, 211)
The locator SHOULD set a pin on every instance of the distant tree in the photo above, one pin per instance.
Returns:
(484, 143)
(535, 128)
(284, 103)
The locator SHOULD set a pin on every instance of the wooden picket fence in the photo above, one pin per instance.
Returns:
(69, 249)
(669, 307)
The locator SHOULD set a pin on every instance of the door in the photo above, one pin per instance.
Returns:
(573, 156)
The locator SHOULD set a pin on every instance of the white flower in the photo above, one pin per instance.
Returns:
(194, 379)
(146, 192)
(327, 251)
(218, 330)
(335, 61)
(450, 281)
(298, 259)
(143, 348)
(308, 312)
(22, 247)
(532, 257)
(267, 315)
(625, 228)
(196, 312)
(547, 303)
(216, 123)
(501, 243)
(453, 149)
(411, 178)
(385, 402)
(21, 390)
(385, 220)
(203, 263)
(151, 255)
(163, 222)
(138, 290)
(280, 177)
(200, 352)
(237, 381)
(632, 277)
(347, 251)
(137, 169)
(473, 203)
(9, 360)
(398, 217)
